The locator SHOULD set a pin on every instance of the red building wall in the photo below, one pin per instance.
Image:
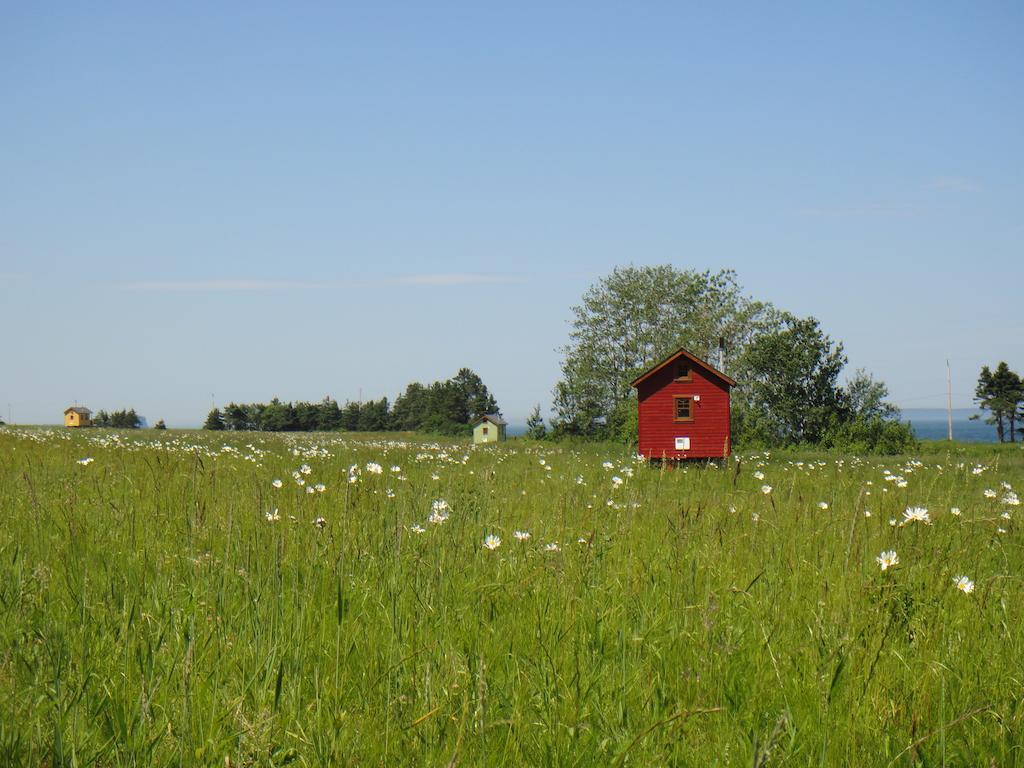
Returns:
(708, 431)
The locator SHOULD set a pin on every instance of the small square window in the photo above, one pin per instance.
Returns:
(684, 408)
(682, 370)
(485, 430)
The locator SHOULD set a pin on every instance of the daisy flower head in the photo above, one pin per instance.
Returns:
(551, 547)
(276, 483)
(766, 489)
(887, 559)
(759, 475)
(86, 461)
(822, 505)
(320, 522)
(990, 494)
(1011, 499)
(964, 584)
(916, 515)
(491, 541)
(954, 511)
(417, 528)
(272, 516)
(521, 535)
(616, 481)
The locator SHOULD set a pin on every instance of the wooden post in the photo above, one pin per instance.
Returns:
(949, 401)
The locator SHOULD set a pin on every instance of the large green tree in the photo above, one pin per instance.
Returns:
(634, 317)
(791, 394)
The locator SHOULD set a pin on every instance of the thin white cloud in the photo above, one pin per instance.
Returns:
(221, 286)
(862, 210)
(954, 184)
(456, 279)
(247, 285)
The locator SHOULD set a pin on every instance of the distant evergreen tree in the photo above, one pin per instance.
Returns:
(374, 416)
(278, 417)
(235, 417)
(478, 400)
(160, 425)
(214, 420)
(350, 417)
(123, 419)
(535, 428)
(1001, 393)
(328, 416)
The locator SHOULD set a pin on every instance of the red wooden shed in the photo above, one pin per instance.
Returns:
(683, 405)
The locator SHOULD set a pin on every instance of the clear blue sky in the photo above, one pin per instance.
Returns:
(255, 199)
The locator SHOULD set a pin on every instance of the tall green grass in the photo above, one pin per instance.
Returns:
(151, 614)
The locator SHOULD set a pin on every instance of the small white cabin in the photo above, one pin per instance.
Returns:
(489, 428)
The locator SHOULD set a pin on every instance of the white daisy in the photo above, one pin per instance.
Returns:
(916, 515)
(964, 584)
(887, 559)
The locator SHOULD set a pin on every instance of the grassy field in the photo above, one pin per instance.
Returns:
(163, 603)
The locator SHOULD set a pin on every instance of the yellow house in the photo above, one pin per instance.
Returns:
(489, 428)
(77, 416)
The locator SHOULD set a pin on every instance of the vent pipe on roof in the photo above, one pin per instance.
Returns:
(721, 354)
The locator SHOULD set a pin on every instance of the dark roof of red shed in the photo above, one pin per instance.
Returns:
(682, 352)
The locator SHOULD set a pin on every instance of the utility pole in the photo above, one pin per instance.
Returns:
(949, 401)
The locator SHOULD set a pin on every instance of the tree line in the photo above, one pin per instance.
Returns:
(123, 419)
(1001, 393)
(444, 407)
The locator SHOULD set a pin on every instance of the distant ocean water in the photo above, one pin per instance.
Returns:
(930, 424)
